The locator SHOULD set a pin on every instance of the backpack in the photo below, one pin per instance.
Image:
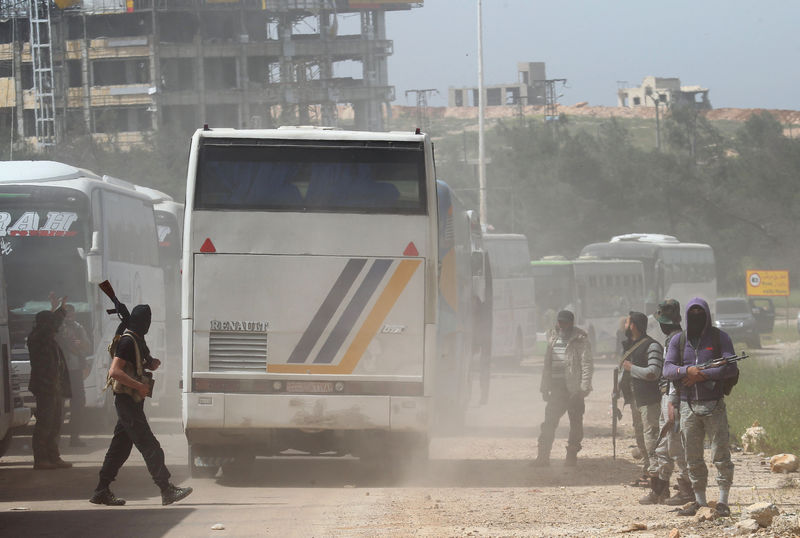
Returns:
(728, 383)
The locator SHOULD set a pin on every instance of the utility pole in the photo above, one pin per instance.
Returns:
(481, 106)
(423, 121)
(656, 102)
(551, 99)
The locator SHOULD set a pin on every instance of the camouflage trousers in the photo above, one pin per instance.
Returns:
(46, 431)
(648, 417)
(669, 452)
(698, 420)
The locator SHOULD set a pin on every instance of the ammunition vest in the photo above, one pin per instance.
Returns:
(644, 392)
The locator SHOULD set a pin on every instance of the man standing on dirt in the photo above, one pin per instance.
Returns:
(566, 381)
(643, 363)
(669, 451)
(703, 410)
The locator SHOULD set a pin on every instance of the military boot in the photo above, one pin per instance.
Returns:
(684, 495)
(173, 493)
(107, 497)
(572, 458)
(659, 491)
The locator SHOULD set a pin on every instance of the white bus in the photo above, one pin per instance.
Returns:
(63, 230)
(169, 227)
(672, 270)
(326, 296)
(514, 319)
(12, 413)
(608, 290)
(598, 292)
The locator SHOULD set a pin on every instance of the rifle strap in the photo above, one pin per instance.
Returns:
(633, 348)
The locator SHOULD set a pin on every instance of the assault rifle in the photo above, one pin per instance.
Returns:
(722, 361)
(616, 414)
(119, 308)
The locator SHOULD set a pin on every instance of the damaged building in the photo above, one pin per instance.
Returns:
(123, 68)
(666, 91)
(529, 89)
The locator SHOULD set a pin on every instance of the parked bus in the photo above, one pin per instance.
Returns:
(169, 228)
(514, 320)
(326, 296)
(63, 230)
(12, 412)
(599, 292)
(672, 269)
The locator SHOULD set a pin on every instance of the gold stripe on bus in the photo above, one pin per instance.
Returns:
(389, 296)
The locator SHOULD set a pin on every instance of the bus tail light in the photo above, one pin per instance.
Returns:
(208, 247)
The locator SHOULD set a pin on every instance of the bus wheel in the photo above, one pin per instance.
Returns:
(241, 467)
(5, 442)
(200, 471)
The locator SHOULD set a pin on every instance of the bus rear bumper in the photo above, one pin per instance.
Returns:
(220, 415)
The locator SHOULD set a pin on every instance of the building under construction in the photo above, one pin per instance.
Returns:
(122, 68)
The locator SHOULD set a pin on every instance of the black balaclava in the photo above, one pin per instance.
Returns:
(695, 323)
(669, 328)
(139, 321)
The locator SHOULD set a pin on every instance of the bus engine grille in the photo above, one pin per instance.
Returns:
(231, 351)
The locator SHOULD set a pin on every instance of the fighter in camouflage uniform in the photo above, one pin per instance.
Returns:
(669, 452)
(49, 383)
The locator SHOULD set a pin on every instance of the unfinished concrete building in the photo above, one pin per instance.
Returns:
(124, 68)
(666, 91)
(528, 90)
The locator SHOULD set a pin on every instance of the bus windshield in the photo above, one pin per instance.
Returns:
(36, 265)
(287, 175)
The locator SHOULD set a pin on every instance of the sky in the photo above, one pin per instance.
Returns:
(745, 52)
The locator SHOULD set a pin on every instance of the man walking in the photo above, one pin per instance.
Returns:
(75, 344)
(702, 408)
(566, 381)
(669, 451)
(130, 387)
(49, 384)
(644, 362)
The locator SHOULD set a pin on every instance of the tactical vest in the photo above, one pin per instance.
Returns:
(135, 371)
(644, 392)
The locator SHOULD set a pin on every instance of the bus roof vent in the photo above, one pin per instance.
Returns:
(119, 182)
(645, 238)
(307, 128)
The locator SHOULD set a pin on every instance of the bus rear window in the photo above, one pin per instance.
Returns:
(362, 178)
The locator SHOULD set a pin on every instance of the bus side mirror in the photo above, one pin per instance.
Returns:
(94, 261)
(477, 263)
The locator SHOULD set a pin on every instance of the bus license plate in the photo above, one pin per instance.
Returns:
(309, 386)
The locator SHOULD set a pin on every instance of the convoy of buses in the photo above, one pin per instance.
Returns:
(331, 290)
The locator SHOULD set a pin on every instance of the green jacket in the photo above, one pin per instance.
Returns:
(579, 367)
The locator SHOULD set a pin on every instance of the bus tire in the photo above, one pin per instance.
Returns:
(5, 442)
(196, 471)
(240, 468)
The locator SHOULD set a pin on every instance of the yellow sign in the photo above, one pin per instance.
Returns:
(768, 283)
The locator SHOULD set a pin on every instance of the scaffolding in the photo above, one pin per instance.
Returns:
(123, 68)
(44, 81)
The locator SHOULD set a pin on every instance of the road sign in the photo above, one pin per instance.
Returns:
(768, 283)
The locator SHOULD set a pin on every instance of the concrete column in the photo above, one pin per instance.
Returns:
(86, 86)
(20, 102)
(155, 73)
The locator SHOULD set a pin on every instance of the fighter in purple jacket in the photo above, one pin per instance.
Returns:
(702, 401)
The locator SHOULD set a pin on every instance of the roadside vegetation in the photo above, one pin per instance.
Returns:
(767, 392)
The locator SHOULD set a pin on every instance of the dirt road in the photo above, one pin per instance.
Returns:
(479, 484)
